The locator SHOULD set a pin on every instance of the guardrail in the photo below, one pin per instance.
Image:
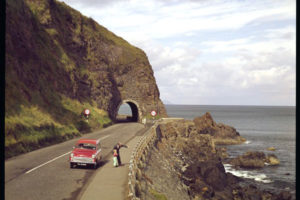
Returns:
(137, 161)
(138, 158)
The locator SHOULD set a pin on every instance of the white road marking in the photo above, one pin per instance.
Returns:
(47, 162)
(104, 137)
(57, 158)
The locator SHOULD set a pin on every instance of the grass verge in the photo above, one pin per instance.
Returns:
(32, 128)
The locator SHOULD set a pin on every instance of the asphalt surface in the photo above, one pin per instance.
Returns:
(46, 174)
(111, 183)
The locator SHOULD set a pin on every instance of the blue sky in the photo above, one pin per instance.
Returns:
(209, 52)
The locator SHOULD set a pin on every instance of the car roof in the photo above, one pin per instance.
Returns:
(89, 141)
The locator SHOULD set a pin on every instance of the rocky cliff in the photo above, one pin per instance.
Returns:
(221, 133)
(59, 62)
(185, 163)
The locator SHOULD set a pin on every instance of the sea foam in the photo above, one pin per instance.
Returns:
(247, 174)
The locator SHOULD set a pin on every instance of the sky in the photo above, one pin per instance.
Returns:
(209, 52)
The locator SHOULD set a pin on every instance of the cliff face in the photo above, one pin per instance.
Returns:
(76, 57)
(185, 163)
(59, 62)
(221, 133)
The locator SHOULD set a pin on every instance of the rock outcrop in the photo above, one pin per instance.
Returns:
(59, 62)
(186, 165)
(221, 133)
(271, 149)
(50, 46)
(254, 159)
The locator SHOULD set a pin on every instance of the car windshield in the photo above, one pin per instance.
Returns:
(86, 146)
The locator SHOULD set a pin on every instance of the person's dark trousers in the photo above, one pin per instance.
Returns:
(119, 160)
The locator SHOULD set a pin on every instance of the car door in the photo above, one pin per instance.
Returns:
(98, 154)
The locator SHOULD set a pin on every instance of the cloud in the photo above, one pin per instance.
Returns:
(209, 51)
(160, 19)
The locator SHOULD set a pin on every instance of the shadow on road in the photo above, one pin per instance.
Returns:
(102, 163)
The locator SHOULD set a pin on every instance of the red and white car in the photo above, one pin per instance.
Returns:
(86, 152)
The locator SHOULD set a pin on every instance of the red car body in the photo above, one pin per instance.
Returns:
(86, 152)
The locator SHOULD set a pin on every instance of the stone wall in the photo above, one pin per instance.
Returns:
(139, 157)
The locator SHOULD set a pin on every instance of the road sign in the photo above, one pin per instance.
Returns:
(153, 113)
(86, 111)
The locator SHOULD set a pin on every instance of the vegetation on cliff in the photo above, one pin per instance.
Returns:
(59, 62)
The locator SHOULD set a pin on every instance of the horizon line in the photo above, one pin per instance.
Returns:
(229, 105)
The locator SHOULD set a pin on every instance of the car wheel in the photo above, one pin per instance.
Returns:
(71, 165)
(95, 166)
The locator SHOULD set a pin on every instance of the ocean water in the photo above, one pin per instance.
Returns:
(263, 127)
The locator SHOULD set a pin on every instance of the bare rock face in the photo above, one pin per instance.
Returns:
(272, 159)
(250, 160)
(222, 152)
(53, 51)
(186, 165)
(193, 159)
(254, 160)
(271, 149)
(221, 133)
(252, 192)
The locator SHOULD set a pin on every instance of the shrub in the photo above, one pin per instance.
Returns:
(83, 126)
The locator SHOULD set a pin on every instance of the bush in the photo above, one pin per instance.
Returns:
(157, 195)
(83, 127)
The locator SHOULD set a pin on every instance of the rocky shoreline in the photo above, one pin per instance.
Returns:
(187, 163)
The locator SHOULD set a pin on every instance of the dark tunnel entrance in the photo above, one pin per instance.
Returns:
(127, 112)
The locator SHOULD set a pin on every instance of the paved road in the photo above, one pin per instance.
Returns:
(45, 173)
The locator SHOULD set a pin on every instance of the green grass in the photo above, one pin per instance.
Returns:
(33, 127)
(51, 31)
(149, 116)
(97, 119)
(42, 72)
(157, 195)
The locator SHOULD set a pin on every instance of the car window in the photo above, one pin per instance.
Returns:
(86, 146)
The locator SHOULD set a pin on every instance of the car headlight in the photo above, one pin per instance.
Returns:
(72, 155)
(93, 156)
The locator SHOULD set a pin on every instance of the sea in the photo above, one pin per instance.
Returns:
(262, 127)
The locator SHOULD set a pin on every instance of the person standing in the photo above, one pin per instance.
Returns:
(115, 159)
(117, 147)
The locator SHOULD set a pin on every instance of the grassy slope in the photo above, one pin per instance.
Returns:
(40, 71)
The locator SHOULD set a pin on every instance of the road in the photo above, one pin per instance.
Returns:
(46, 174)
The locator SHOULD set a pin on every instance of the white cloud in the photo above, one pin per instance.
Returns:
(162, 20)
(210, 51)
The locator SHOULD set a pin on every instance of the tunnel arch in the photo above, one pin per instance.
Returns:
(135, 110)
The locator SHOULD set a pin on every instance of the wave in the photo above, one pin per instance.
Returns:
(248, 142)
(247, 174)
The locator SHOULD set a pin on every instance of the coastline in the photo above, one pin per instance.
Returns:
(185, 156)
(262, 127)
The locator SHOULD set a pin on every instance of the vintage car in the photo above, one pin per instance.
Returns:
(86, 152)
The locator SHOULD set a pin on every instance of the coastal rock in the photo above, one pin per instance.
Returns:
(194, 158)
(185, 164)
(249, 160)
(221, 133)
(271, 149)
(251, 192)
(284, 195)
(271, 159)
(254, 160)
(222, 152)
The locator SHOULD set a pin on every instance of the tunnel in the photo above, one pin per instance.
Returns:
(133, 117)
